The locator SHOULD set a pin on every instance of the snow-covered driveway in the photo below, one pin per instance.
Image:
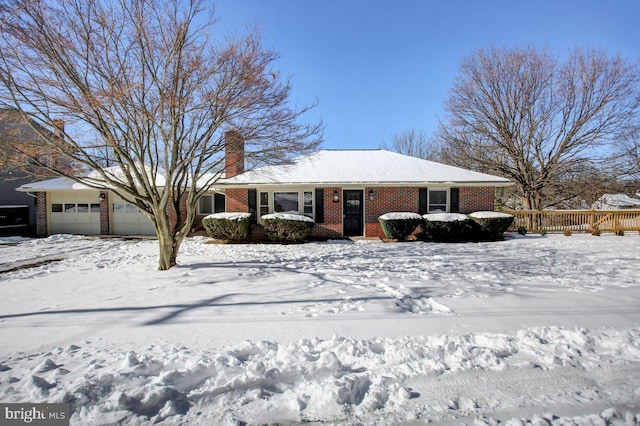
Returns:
(336, 331)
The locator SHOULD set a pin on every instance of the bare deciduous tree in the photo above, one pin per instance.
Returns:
(414, 144)
(627, 160)
(21, 151)
(524, 115)
(143, 84)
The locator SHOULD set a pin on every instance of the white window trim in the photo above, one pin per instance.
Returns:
(213, 206)
(448, 203)
(75, 211)
(271, 206)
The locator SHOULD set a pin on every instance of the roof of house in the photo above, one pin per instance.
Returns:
(616, 201)
(323, 167)
(362, 166)
(92, 177)
(15, 126)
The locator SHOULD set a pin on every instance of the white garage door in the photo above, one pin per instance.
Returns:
(76, 212)
(127, 219)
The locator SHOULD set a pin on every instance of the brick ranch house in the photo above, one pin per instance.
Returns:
(344, 191)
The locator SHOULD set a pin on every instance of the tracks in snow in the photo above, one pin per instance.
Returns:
(522, 392)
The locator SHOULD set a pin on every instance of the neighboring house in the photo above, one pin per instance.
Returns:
(17, 209)
(616, 202)
(344, 191)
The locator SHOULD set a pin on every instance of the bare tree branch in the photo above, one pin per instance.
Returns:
(522, 114)
(145, 88)
(415, 144)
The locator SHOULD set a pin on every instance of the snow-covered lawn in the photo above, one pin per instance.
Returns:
(530, 328)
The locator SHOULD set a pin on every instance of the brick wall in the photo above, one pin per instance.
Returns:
(237, 200)
(233, 154)
(473, 199)
(41, 214)
(332, 225)
(385, 200)
(104, 213)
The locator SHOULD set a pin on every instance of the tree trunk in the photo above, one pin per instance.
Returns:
(169, 246)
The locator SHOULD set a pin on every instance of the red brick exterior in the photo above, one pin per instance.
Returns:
(42, 229)
(237, 200)
(332, 224)
(474, 199)
(234, 154)
(105, 227)
(385, 200)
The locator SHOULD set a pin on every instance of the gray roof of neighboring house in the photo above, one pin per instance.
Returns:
(15, 126)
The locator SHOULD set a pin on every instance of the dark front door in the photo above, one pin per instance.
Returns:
(353, 212)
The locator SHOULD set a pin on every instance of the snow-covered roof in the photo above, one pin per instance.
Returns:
(362, 166)
(616, 201)
(324, 167)
(91, 178)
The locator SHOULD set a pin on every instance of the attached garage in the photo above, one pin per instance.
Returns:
(74, 212)
(127, 219)
(67, 206)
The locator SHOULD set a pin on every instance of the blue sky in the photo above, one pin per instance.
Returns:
(380, 67)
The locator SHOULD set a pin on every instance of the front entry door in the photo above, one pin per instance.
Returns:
(353, 211)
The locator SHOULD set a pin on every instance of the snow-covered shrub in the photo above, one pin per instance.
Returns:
(227, 226)
(286, 227)
(447, 227)
(399, 225)
(492, 224)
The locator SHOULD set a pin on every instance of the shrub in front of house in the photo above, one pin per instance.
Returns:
(400, 225)
(491, 225)
(447, 227)
(227, 226)
(286, 227)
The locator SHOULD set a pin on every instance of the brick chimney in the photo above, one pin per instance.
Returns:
(233, 154)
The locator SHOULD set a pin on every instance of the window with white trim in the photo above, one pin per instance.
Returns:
(125, 208)
(205, 204)
(307, 197)
(75, 208)
(285, 202)
(299, 202)
(264, 203)
(438, 201)
(211, 203)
